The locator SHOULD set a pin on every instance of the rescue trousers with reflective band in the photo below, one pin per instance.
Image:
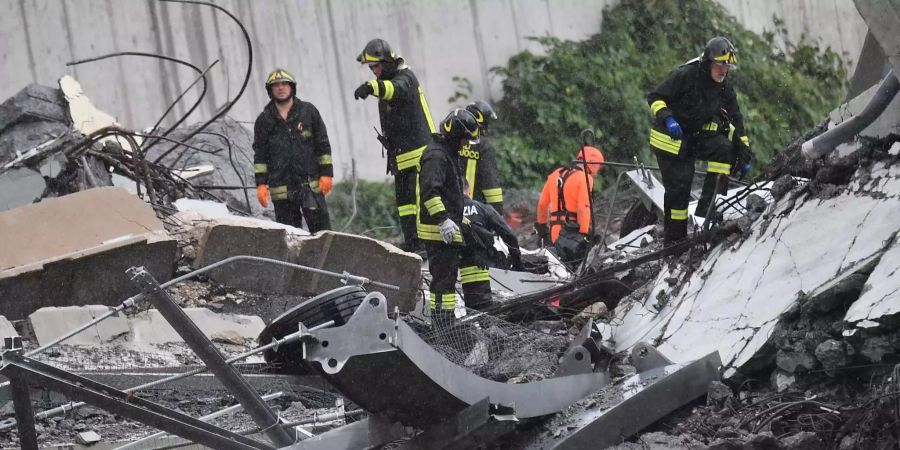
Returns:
(292, 212)
(678, 174)
(443, 265)
(476, 284)
(405, 193)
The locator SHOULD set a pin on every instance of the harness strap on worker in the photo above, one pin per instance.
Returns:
(562, 214)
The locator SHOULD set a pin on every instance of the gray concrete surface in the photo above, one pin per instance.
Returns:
(151, 328)
(318, 41)
(74, 250)
(332, 251)
(51, 322)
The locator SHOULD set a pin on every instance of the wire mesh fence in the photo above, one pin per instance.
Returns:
(493, 348)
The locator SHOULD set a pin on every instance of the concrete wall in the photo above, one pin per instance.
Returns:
(834, 23)
(318, 41)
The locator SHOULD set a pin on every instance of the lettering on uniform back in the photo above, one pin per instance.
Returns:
(467, 152)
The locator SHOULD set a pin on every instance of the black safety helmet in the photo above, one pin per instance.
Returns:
(483, 113)
(459, 124)
(719, 49)
(377, 51)
(281, 76)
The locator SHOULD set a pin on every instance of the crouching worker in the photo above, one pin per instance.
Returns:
(481, 224)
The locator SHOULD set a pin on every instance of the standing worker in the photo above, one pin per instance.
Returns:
(482, 224)
(696, 116)
(292, 156)
(441, 211)
(564, 209)
(479, 161)
(406, 125)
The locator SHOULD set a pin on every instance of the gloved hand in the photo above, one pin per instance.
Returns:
(325, 184)
(364, 90)
(674, 128)
(543, 231)
(743, 157)
(448, 229)
(262, 194)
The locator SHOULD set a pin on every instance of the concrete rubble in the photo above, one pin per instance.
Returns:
(74, 250)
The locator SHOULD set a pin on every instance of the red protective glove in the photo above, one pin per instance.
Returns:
(262, 194)
(325, 184)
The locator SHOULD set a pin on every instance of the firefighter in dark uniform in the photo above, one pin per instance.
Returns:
(292, 156)
(696, 116)
(478, 162)
(482, 223)
(406, 125)
(440, 212)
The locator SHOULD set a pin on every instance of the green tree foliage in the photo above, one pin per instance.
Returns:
(376, 212)
(602, 83)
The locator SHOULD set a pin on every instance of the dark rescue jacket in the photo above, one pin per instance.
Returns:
(440, 191)
(479, 165)
(406, 121)
(699, 104)
(484, 223)
(290, 155)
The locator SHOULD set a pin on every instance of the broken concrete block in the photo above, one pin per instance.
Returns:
(87, 438)
(332, 251)
(718, 393)
(832, 354)
(74, 250)
(593, 311)
(35, 115)
(795, 361)
(874, 348)
(52, 322)
(782, 380)
(20, 186)
(225, 237)
(6, 329)
(150, 327)
(360, 256)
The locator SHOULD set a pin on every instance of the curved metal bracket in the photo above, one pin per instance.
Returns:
(386, 368)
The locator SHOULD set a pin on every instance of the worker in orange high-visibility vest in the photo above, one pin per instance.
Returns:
(564, 208)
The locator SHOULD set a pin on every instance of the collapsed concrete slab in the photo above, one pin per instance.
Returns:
(733, 301)
(74, 250)
(332, 251)
(51, 322)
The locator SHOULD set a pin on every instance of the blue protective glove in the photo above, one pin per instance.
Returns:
(745, 169)
(674, 128)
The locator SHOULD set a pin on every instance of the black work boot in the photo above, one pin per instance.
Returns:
(714, 184)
